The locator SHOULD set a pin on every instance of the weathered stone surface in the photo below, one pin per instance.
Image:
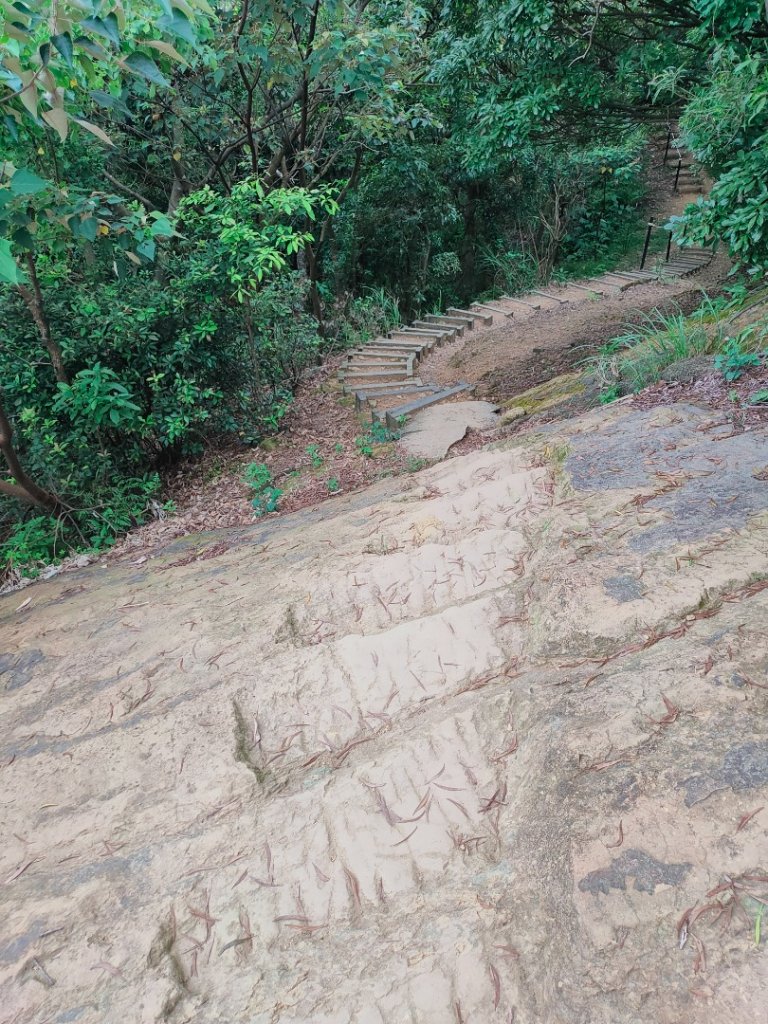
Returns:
(686, 370)
(17, 669)
(431, 433)
(454, 748)
(558, 393)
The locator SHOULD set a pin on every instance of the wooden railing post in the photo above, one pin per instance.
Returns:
(666, 148)
(669, 247)
(677, 173)
(647, 243)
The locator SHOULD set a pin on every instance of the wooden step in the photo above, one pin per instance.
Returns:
(430, 323)
(383, 355)
(393, 416)
(617, 275)
(584, 288)
(429, 327)
(549, 295)
(494, 309)
(370, 353)
(521, 302)
(435, 339)
(457, 323)
(373, 375)
(363, 398)
(620, 285)
(482, 317)
(386, 386)
(401, 346)
(394, 368)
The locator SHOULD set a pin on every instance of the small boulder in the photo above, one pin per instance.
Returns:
(684, 371)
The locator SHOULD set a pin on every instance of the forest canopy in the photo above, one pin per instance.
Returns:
(199, 200)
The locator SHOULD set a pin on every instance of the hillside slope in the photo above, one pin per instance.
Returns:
(466, 746)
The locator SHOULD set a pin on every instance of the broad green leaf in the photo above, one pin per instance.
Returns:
(10, 125)
(9, 272)
(27, 183)
(147, 248)
(96, 51)
(63, 43)
(179, 25)
(145, 67)
(107, 28)
(89, 228)
(162, 227)
(23, 238)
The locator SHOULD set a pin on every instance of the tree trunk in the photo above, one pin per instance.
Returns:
(313, 273)
(24, 489)
(33, 299)
(469, 240)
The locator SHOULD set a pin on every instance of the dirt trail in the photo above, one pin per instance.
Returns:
(533, 347)
(466, 746)
(511, 357)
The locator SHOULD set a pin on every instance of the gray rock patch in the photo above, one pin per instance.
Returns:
(646, 871)
(623, 588)
(18, 668)
(743, 767)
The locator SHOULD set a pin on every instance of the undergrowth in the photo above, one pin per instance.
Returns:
(638, 357)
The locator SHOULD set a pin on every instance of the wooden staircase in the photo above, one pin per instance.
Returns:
(382, 373)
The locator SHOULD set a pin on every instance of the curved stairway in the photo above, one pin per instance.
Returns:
(382, 374)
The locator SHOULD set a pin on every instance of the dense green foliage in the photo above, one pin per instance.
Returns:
(197, 200)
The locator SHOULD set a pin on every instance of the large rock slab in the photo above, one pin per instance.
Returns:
(431, 433)
(455, 748)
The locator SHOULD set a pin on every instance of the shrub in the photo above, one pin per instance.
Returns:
(735, 358)
(266, 496)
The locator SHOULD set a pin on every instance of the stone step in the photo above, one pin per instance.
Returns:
(482, 317)
(493, 309)
(392, 416)
(639, 275)
(521, 302)
(549, 295)
(457, 323)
